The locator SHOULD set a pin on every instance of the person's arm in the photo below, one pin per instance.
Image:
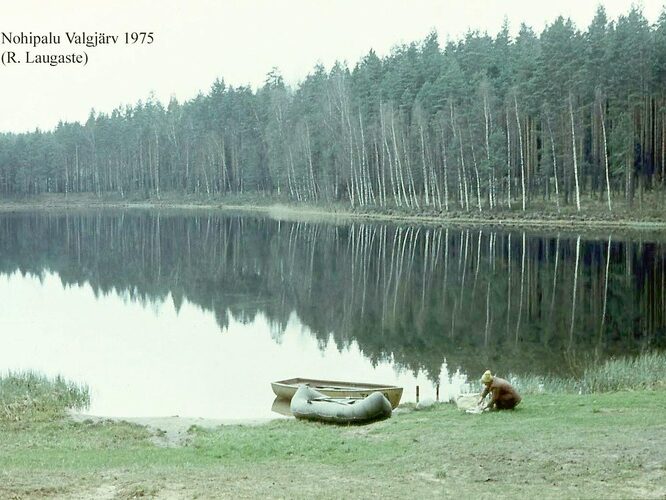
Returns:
(490, 405)
(485, 392)
(493, 398)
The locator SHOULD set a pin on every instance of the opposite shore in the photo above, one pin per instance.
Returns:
(648, 216)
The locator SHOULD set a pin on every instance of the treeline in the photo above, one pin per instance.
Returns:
(481, 123)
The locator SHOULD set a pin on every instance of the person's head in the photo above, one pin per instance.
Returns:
(487, 378)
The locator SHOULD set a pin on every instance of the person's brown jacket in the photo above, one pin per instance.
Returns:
(504, 396)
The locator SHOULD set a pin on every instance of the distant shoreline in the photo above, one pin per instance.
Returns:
(567, 220)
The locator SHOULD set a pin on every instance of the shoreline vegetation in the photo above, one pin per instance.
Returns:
(642, 372)
(33, 396)
(649, 216)
(606, 442)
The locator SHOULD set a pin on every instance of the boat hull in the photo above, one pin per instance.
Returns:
(285, 389)
(309, 404)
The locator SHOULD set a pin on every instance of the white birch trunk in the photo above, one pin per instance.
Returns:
(476, 172)
(446, 173)
(394, 188)
(486, 120)
(575, 161)
(520, 146)
(425, 174)
(398, 163)
(464, 174)
(410, 175)
(603, 130)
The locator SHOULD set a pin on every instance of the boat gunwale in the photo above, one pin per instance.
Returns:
(286, 389)
(334, 384)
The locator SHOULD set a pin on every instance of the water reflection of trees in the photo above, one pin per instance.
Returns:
(417, 295)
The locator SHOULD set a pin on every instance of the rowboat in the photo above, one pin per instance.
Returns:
(309, 404)
(285, 389)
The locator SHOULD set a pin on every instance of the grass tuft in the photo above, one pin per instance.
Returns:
(642, 372)
(645, 371)
(32, 396)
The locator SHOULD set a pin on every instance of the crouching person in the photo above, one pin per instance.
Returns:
(503, 395)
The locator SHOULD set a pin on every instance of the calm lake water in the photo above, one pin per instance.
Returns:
(195, 314)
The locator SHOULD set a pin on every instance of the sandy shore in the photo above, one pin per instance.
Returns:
(171, 431)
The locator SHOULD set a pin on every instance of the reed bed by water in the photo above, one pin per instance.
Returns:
(30, 395)
(646, 371)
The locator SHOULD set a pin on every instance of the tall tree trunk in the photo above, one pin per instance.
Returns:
(157, 165)
(663, 153)
(520, 147)
(464, 173)
(425, 169)
(486, 121)
(508, 160)
(313, 183)
(573, 147)
(399, 174)
(603, 130)
(476, 171)
(395, 190)
(381, 180)
(552, 149)
(410, 175)
(446, 172)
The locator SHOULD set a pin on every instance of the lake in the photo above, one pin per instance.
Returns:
(194, 314)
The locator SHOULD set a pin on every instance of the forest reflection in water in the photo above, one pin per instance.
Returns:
(416, 296)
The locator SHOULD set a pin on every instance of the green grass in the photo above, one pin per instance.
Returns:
(31, 396)
(554, 446)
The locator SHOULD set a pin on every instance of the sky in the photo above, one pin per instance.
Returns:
(197, 41)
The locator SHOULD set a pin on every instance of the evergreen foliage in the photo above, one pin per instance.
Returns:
(481, 123)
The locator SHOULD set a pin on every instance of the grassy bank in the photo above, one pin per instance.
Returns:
(645, 214)
(28, 396)
(601, 445)
(590, 446)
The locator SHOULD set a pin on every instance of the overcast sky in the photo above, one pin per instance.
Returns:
(197, 41)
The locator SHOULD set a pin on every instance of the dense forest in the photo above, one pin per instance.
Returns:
(414, 295)
(481, 123)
